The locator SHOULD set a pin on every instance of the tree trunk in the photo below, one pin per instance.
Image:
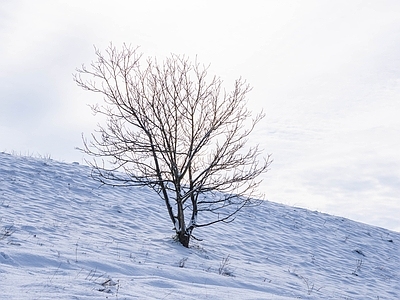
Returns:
(184, 238)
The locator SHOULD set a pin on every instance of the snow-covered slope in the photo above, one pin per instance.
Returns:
(64, 237)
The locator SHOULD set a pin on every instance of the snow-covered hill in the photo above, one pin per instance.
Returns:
(64, 237)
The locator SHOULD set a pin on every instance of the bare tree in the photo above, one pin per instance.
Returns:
(169, 129)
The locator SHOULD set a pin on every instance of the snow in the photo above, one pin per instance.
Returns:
(63, 236)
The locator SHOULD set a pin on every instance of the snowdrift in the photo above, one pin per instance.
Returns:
(62, 236)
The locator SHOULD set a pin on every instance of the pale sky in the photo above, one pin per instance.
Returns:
(327, 74)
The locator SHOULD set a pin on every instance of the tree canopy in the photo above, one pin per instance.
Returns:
(172, 127)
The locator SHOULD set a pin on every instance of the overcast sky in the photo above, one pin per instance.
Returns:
(327, 74)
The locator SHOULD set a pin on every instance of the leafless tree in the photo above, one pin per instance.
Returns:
(171, 130)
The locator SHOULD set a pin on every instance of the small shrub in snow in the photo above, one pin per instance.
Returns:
(224, 267)
(7, 232)
(182, 262)
(358, 267)
(309, 284)
(107, 285)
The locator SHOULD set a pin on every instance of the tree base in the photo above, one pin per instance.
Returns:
(184, 239)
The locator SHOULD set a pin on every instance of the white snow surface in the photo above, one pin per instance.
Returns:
(63, 236)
